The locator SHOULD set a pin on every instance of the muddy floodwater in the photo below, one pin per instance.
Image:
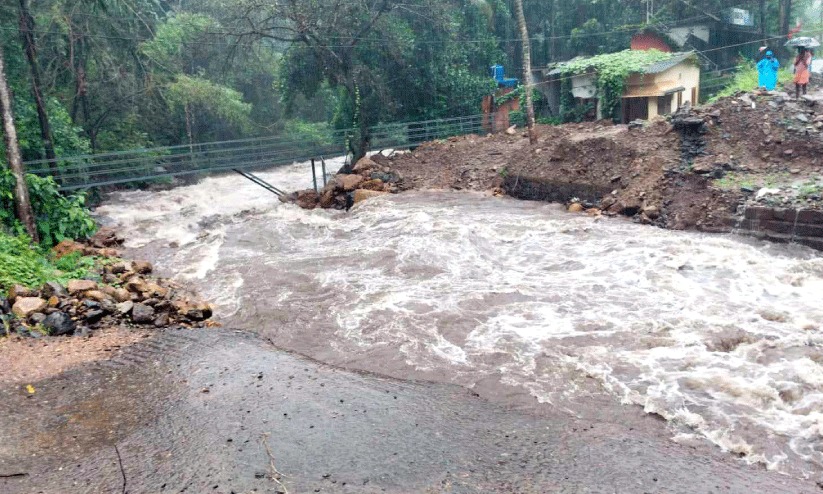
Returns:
(507, 346)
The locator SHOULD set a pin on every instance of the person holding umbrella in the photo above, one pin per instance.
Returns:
(802, 70)
(803, 62)
(767, 71)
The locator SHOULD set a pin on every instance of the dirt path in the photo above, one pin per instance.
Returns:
(188, 411)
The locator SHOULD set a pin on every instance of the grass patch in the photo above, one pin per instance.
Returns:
(746, 79)
(24, 263)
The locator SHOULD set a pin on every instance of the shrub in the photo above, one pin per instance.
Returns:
(24, 263)
(59, 217)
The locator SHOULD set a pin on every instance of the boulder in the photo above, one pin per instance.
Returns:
(106, 237)
(20, 291)
(327, 199)
(97, 295)
(125, 308)
(94, 316)
(58, 324)
(136, 284)
(576, 208)
(121, 267)
(54, 301)
(67, 247)
(25, 306)
(37, 318)
(142, 267)
(388, 177)
(365, 165)
(142, 314)
(162, 320)
(349, 182)
(153, 290)
(196, 311)
(80, 286)
(373, 184)
(361, 195)
(53, 289)
(5, 306)
(121, 295)
(307, 199)
(651, 212)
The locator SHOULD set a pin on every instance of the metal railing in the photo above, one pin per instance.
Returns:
(145, 165)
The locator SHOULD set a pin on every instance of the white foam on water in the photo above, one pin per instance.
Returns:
(719, 336)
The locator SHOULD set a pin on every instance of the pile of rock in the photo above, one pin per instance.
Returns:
(127, 295)
(368, 179)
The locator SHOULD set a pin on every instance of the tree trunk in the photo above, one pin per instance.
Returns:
(21, 191)
(785, 16)
(27, 36)
(527, 68)
(763, 27)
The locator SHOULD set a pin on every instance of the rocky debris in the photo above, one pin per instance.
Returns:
(67, 247)
(367, 179)
(361, 195)
(142, 314)
(25, 306)
(19, 291)
(86, 305)
(106, 237)
(80, 286)
(59, 324)
(141, 267)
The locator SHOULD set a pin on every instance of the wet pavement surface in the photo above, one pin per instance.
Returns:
(188, 411)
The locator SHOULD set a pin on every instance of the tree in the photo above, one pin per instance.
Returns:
(21, 192)
(527, 68)
(27, 37)
(785, 16)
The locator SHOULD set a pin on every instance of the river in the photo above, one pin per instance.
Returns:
(520, 301)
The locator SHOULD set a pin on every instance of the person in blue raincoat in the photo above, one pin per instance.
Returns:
(767, 71)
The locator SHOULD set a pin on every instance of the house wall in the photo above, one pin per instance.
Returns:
(685, 75)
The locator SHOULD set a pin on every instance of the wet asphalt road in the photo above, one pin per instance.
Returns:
(188, 411)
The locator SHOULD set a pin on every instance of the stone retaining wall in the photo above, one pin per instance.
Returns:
(802, 226)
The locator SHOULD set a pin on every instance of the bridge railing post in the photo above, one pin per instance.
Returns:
(314, 174)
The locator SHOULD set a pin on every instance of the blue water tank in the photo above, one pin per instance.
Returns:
(499, 75)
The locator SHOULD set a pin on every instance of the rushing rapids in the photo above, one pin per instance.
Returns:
(719, 335)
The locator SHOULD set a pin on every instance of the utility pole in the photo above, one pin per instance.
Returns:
(527, 68)
(21, 191)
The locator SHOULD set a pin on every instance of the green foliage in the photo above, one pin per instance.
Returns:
(67, 137)
(24, 263)
(220, 101)
(168, 47)
(746, 79)
(309, 134)
(611, 71)
(59, 217)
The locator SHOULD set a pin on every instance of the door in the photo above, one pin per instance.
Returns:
(635, 109)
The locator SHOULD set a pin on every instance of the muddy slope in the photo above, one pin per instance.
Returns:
(667, 174)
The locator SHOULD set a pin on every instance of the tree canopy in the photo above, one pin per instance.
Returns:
(120, 74)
